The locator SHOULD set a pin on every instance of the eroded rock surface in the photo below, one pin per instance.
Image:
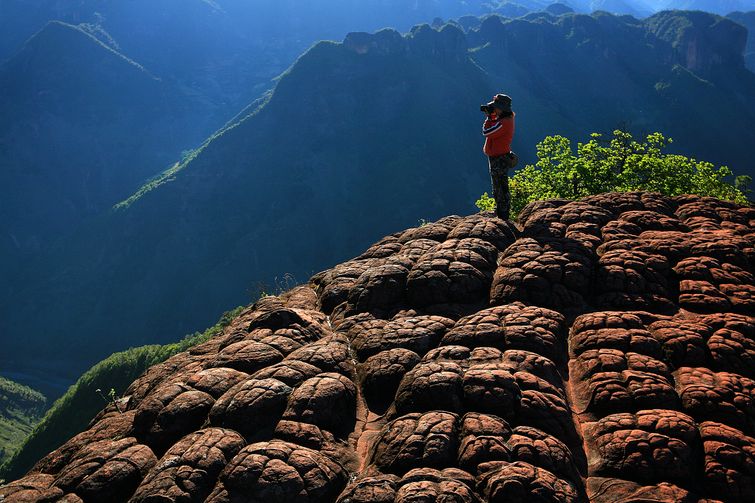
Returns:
(600, 350)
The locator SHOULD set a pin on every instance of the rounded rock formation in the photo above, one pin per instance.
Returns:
(599, 350)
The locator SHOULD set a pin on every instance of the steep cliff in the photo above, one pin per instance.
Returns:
(747, 19)
(702, 43)
(599, 350)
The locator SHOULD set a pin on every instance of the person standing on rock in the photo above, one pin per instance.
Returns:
(498, 130)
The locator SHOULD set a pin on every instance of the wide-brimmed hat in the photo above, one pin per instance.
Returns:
(502, 102)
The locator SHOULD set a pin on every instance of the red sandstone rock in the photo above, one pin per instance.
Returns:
(417, 440)
(110, 426)
(608, 490)
(253, 407)
(189, 470)
(514, 326)
(522, 482)
(455, 271)
(601, 350)
(547, 272)
(416, 333)
(107, 470)
(35, 488)
(279, 471)
(729, 462)
(382, 374)
(649, 446)
(169, 413)
(326, 400)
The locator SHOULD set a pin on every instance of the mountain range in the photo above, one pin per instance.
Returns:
(72, 158)
(228, 34)
(358, 138)
(97, 97)
(643, 8)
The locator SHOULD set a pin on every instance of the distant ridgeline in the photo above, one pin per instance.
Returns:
(360, 138)
(747, 19)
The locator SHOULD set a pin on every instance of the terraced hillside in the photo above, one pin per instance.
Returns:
(601, 350)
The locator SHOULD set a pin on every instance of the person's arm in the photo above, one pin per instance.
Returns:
(491, 126)
(501, 128)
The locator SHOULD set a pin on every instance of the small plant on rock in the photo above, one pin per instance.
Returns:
(485, 203)
(112, 397)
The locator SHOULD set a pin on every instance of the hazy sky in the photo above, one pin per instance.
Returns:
(717, 6)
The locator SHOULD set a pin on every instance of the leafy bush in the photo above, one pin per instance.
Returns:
(620, 164)
(485, 203)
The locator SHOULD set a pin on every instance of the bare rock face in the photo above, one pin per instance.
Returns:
(600, 350)
(188, 471)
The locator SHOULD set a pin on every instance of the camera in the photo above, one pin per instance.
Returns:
(488, 108)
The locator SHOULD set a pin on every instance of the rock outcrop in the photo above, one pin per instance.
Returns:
(600, 350)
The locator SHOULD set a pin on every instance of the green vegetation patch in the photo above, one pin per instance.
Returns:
(20, 409)
(619, 164)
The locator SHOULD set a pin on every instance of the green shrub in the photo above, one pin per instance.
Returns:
(620, 164)
(485, 203)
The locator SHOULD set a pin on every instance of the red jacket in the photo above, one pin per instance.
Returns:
(498, 134)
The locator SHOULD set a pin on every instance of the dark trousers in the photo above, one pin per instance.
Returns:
(499, 177)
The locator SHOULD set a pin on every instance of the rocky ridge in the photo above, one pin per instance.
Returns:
(600, 350)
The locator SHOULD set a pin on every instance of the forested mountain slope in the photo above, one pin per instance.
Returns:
(81, 127)
(20, 409)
